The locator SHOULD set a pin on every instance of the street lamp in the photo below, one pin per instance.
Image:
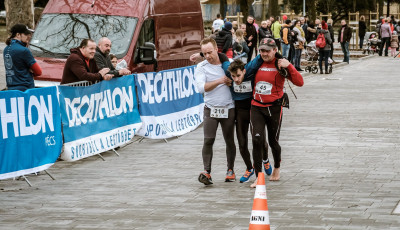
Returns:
(304, 8)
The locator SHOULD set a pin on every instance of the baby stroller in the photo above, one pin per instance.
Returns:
(372, 43)
(312, 55)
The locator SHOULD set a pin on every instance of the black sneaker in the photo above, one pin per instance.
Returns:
(205, 178)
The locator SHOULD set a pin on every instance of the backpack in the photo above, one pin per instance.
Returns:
(289, 35)
(321, 42)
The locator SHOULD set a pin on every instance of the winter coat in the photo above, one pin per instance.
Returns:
(76, 69)
(386, 31)
(394, 41)
(362, 28)
(104, 61)
(300, 38)
(311, 33)
(251, 31)
(224, 41)
(346, 34)
(264, 33)
(276, 30)
(331, 32)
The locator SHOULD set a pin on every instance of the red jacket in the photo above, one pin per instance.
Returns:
(76, 69)
(268, 83)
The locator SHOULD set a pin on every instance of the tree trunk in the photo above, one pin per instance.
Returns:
(19, 11)
(380, 2)
(388, 8)
(244, 8)
(311, 10)
(222, 8)
(273, 8)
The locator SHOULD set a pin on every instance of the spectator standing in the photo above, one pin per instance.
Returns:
(344, 37)
(285, 38)
(20, 65)
(292, 40)
(304, 25)
(218, 23)
(386, 34)
(332, 33)
(394, 43)
(264, 31)
(81, 66)
(251, 37)
(324, 51)
(362, 29)
(103, 60)
(276, 32)
(311, 32)
(378, 26)
(298, 45)
(240, 48)
(224, 40)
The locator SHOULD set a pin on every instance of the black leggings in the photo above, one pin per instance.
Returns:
(242, 113)
(210, 126)
(272, 118)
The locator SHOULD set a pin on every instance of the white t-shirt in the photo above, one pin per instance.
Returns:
(221, 95)
(218, 24)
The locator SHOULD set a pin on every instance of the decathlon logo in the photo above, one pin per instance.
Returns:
(99, 105)
(166, 86)
(14, 111)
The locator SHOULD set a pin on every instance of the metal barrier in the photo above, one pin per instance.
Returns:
(81, 83)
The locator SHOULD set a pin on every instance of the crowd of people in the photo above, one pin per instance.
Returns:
(291, 37)
(387, 30)
(88, 62)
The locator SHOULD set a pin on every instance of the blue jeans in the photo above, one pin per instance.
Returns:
(297, 57)
(346, 52)
(285, 50)
(323, 56)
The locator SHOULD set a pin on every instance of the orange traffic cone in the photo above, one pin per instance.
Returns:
(259, 219)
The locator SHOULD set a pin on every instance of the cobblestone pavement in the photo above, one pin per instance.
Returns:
(340, 170)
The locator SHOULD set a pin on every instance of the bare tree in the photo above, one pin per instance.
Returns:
(222, 7)
(19, 11)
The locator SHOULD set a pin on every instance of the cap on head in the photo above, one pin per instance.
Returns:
(228, 25)
(20, 28)
(267, 44)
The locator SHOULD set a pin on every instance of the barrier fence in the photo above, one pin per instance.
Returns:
(93, 118)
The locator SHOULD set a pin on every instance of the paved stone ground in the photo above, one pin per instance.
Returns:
(340, 170)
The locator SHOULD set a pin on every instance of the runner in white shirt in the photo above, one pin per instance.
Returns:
(217, 23)
(219, 109)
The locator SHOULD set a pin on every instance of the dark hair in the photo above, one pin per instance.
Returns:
(17, 29)
(277, 18)
(112, 56)
(85, 42)
(218, 15)
(287, 21)
(236, 65)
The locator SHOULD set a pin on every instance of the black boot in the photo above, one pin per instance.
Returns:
(321, 72)
(326, 71)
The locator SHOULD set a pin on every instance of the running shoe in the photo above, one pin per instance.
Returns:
(205, 178)
(246, 176)
(267, 167)
(230, 176)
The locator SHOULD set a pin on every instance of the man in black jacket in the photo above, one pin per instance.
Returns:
(251, 37)
(103, 59)
(344, 38)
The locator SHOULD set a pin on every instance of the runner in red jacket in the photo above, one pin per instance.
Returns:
(266, 109)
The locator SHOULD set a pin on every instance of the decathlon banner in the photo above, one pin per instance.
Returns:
(169, 103)
(99, 117)
(30, 134)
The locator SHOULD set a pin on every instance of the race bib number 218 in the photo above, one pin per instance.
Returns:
(219, 112)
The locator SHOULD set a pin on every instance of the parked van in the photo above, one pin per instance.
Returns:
(148, 34)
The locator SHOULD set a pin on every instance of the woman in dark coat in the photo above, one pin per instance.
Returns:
(362, 29)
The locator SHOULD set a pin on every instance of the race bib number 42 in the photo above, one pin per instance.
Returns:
(245, 87)
(263, 88)
(219, 112)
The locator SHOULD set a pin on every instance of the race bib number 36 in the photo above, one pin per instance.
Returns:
(245, 87)
(263, 88)
(219, 112)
